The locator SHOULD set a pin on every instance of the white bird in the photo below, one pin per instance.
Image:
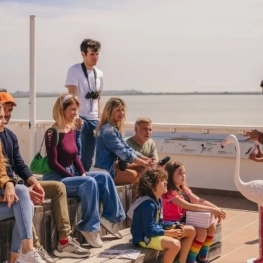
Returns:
(252, 190)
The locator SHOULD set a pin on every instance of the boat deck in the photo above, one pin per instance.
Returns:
(239, 230)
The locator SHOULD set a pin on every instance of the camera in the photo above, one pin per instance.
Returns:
(122, 165)
(92, 95)
(164, 161)
(176, 224)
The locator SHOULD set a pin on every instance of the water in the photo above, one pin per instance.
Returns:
(180, 109)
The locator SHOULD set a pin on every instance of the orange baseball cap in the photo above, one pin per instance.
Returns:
(5, 97)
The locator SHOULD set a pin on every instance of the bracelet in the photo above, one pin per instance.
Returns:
(259, 137)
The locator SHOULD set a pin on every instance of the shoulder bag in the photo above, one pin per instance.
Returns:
(39, 164)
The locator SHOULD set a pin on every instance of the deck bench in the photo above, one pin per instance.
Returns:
(146, 255)
(47, 233)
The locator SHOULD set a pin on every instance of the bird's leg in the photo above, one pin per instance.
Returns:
(260, 259)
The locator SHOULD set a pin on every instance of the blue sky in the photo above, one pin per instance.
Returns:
(150, 45)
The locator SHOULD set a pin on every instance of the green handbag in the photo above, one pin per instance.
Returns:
(39, 164)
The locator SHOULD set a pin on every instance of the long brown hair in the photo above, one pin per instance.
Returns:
(111, 105)
(3, 161)
(171, 167)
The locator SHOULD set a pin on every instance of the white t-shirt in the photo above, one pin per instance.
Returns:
(76, 77)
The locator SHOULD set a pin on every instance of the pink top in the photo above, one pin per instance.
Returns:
(171, 211)
(64, 154)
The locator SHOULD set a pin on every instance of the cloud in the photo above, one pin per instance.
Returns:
(146, 45)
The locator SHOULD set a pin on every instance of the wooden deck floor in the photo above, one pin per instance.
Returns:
(240, 233)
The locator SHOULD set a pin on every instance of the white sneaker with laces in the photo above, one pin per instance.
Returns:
(113, 228)
(30, 257)
(72, 250)
(93, 238)
(44, 255)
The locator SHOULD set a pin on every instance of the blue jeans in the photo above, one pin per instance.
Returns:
(86, 142)
(23, 211)
(96, 187)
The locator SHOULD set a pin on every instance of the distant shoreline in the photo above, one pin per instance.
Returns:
(119, 93)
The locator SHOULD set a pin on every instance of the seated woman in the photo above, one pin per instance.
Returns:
(15, 202)
(90, 187)
(111, 146)
(178, 199)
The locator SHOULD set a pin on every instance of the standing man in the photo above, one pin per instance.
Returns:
(38, 190)
(85, 82)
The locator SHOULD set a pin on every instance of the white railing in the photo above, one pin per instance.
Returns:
(202, 170)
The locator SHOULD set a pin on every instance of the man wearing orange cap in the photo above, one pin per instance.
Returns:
(56, 191)
(9, 102)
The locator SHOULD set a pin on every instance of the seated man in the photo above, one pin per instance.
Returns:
(56, 191)
(141, 142)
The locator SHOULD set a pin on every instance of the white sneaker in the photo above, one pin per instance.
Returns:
(72, 250)
(44, 255)
(93, 238)
(113, 228)
(30, 257)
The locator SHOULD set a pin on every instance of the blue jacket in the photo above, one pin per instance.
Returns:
(110, 145)
(11, 151)
(147, 221)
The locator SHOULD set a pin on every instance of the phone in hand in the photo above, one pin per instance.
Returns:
(177, 226)
(252, 150)
(164, 161)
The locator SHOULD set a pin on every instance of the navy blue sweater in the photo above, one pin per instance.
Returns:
(147, 221)
(11, 149)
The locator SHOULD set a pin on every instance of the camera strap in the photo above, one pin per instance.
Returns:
(84, 69)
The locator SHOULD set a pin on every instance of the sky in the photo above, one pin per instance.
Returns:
(149, 45)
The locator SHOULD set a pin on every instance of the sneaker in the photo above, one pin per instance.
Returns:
(30, 257)
(198, 260)
(72, 250)
(93, 238)
(44, 255)
(113, 228)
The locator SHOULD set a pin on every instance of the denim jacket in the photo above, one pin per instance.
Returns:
(109, 146)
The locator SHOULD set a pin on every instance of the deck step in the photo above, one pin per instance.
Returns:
(110, 242)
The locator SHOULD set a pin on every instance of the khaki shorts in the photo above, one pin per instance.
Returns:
(155, 243)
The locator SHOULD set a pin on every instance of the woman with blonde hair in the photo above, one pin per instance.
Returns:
(91, 187)
(15, 202)
(110, 145)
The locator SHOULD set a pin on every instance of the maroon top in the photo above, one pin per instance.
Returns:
(64, 154)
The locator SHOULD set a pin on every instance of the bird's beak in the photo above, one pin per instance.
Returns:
(222, 144)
